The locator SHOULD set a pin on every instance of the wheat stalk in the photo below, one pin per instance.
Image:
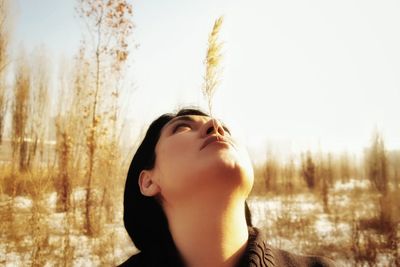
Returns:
(212, 63)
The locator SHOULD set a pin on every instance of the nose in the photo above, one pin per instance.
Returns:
(213, 126)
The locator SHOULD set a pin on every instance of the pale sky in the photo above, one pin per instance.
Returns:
(297, 75)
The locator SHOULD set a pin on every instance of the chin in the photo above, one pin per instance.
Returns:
(230, 171)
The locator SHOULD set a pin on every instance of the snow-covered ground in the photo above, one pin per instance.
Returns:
(296, 222)
(299, 223)
(42, 231)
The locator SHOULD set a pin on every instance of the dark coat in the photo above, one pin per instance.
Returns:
(258, 254)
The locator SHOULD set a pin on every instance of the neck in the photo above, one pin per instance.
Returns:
(209, 233)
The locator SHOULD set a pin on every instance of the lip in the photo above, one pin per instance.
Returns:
(214, 138)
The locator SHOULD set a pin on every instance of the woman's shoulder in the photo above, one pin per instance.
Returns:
(263, 254)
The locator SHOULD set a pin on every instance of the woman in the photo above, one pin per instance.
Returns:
(185, 199)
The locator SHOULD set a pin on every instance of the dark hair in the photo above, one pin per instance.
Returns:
(144, 218)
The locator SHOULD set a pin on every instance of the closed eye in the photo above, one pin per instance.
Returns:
(226, 130)
(180, 125)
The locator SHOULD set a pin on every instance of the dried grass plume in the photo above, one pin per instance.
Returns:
(212, 62)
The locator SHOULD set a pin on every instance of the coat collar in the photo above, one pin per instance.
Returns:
(258, 253)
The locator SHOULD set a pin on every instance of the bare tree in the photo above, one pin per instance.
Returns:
(4, 33)
(71, 120)
(377, 164)
(3, 104)
(20, 113)
(308, 170)
(377, 171)
(39, 106)
(109, 24)
(271, 172)
(4, 60)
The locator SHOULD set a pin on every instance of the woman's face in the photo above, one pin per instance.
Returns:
(196, 155)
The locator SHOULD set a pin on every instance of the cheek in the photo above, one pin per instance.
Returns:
(174, 162)
(175, 154)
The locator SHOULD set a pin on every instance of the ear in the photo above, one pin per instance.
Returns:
(146, 184)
